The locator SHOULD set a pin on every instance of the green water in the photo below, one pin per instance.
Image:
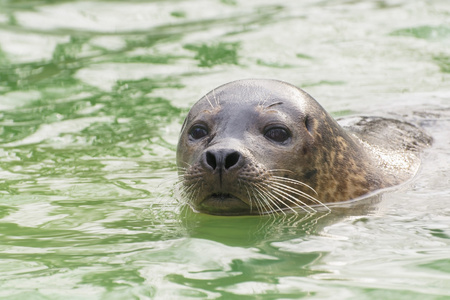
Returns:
(93, 94)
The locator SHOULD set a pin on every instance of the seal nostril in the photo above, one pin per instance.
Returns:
(211, 160)
(232, 159)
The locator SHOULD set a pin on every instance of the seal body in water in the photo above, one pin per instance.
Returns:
(261, 146)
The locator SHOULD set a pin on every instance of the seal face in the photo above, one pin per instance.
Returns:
(261, 146)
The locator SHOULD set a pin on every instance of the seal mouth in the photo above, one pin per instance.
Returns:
(222, 196)
(223, 204)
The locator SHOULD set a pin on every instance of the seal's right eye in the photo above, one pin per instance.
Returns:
(198, 131)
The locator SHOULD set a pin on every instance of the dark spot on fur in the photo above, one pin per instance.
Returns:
(342, 187)
(325, 158)
(305, 150)
(310, 173)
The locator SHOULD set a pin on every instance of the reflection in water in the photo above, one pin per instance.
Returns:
(247, 231)
(92, 97)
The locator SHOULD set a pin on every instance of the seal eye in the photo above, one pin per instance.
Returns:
(198, 131)
(277, 134)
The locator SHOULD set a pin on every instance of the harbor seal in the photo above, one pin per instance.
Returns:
(261, 146)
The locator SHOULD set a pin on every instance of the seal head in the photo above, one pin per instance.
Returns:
(260, 146)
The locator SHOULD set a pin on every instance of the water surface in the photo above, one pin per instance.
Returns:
(93, 94)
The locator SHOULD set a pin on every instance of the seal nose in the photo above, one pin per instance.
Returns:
(222, 158)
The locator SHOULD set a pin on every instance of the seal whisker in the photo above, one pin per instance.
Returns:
(271, 199)
(187, 164)
(207, 99)
(293, 200)
(287, 188)
(264, 101)
(299, 193)
(181, 177)
(184, 178)
(249, 196)
(275, 199)
(259, 205)
(215, 98)
(190, 191)
(282, 170)
(282, 210)
(259, 200)
(186, 195)
(284, 179)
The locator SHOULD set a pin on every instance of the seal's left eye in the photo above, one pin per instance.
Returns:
(277, 134)
(197, 132)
